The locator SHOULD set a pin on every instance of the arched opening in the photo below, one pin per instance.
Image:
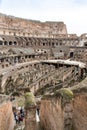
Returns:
(15, 43)
(52, 43)
(85, 44)
(56, 43)
(60, 43)
(1, 43)
(5, 43)
(61, 51)
(43, 44)
(27, 44)
(71, 54)
(45, 52)
(10, 42)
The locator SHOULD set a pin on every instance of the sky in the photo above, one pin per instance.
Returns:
(71, 12)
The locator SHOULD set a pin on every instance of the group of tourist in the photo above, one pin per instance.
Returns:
(19, 116)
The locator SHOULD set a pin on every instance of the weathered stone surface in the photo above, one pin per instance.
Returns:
(6, 116)
(80, 112)
(62, 114)
(30, 107)
(55, 117)
(30, 27)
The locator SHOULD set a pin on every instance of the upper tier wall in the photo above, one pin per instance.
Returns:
(30, 27)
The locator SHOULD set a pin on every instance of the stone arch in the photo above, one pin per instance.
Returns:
(27, 44)
(60, 43)
(52, 43)
(5, 43)
(10, 42)
(56, 43)
(43, 44)
(71, 54)
(15, 43)
(85, 44)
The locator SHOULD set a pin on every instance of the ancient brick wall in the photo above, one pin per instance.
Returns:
(49, 116)
(80, 112)
(6, 116)
(54, 116)
(31, 27)
(73, 116)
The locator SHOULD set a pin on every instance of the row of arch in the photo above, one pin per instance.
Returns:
(52, 44)
(43, 44)
(23, 41)
(30, 43)
(8, 43)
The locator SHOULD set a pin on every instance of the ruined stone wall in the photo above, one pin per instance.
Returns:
(31, 75)
(45, 42)
(80, 112)
(54, 116)
(19, 26)
(6, 116)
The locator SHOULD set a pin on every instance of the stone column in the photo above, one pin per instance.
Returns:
(30, 119)
(30, 108)
(68, 112)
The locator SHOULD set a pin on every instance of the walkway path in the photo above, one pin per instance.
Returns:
(66, 62)
(22, 125)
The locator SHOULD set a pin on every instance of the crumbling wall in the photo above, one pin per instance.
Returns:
(51, 115)
(6, 116)
(33, 27)
(80, 112)
(56, 113)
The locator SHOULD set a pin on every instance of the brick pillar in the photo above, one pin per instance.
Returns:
(30, 119)
(30, 108)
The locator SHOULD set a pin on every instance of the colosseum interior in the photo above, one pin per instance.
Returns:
(43, 70)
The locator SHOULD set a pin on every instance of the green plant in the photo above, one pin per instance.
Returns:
(65, 94)
(29, 99)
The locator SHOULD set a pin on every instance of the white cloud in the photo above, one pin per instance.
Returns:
(72, 12)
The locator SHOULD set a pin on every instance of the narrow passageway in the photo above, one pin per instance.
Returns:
(21, 125)
(19, 118)
(38, 121)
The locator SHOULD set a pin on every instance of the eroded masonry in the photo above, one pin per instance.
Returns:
(42, 58)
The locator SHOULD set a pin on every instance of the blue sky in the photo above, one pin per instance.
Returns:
(71, 12)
